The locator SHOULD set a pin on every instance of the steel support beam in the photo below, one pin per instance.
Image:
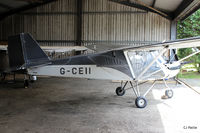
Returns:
(173, 35)
(191, 12)
(23, 8)
(139, 6)
(75, 13)
(184, 4)
(5, 6)
(173, 30)
(79, 24)
(154, 2)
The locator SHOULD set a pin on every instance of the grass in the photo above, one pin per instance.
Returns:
(189, 75)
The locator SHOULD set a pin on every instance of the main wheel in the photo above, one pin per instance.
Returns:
(32, 79)
(119, 91)
(169, 93)
(140, 102)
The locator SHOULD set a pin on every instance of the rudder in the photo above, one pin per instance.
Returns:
(25, 52)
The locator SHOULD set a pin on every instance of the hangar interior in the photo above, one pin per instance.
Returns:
(84, 22)
(63, 23)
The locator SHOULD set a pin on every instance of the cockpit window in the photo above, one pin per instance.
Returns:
(140, 60)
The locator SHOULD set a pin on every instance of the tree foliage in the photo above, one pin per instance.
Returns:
(190, 27)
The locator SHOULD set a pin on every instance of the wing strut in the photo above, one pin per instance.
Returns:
(197, 51)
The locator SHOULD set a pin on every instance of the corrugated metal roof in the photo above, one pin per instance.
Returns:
(171, 9)
(9, 7)
(165, 5)
(6, 5)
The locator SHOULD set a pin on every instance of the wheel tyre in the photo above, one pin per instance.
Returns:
(26, 83)
(32, 78)
(169, 93)
(140, 102)
(120, 91)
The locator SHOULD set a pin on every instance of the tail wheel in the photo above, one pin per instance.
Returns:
(119, 91)
(169, 93)
(140, 102)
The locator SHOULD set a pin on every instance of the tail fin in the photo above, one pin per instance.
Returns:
(25, 52)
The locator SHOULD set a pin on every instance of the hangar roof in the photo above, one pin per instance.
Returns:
(9, 7)
(171, 9)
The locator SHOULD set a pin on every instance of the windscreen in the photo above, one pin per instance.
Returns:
(140, 60)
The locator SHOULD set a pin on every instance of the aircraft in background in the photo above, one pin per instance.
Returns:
(133, 64)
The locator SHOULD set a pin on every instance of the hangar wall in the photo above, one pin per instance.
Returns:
(50, 24)
(102, 22)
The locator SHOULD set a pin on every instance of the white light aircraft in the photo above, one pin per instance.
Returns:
(134, 64)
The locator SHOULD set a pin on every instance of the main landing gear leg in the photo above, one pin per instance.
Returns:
(168, 93)
(26, 81)
(140, 101)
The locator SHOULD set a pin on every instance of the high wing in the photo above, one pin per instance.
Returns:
(54, 49)
(105, 47)
(183, 43)
(179, 43)
(61, 49)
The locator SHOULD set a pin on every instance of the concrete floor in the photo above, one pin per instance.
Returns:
(59, 105)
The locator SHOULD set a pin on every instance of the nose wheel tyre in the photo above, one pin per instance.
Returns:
(169, 93)
(140, 102)
(119, 91)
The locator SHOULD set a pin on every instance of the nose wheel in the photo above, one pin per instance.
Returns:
(169, 93)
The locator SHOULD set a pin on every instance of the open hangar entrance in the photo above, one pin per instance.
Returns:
(81, 23)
